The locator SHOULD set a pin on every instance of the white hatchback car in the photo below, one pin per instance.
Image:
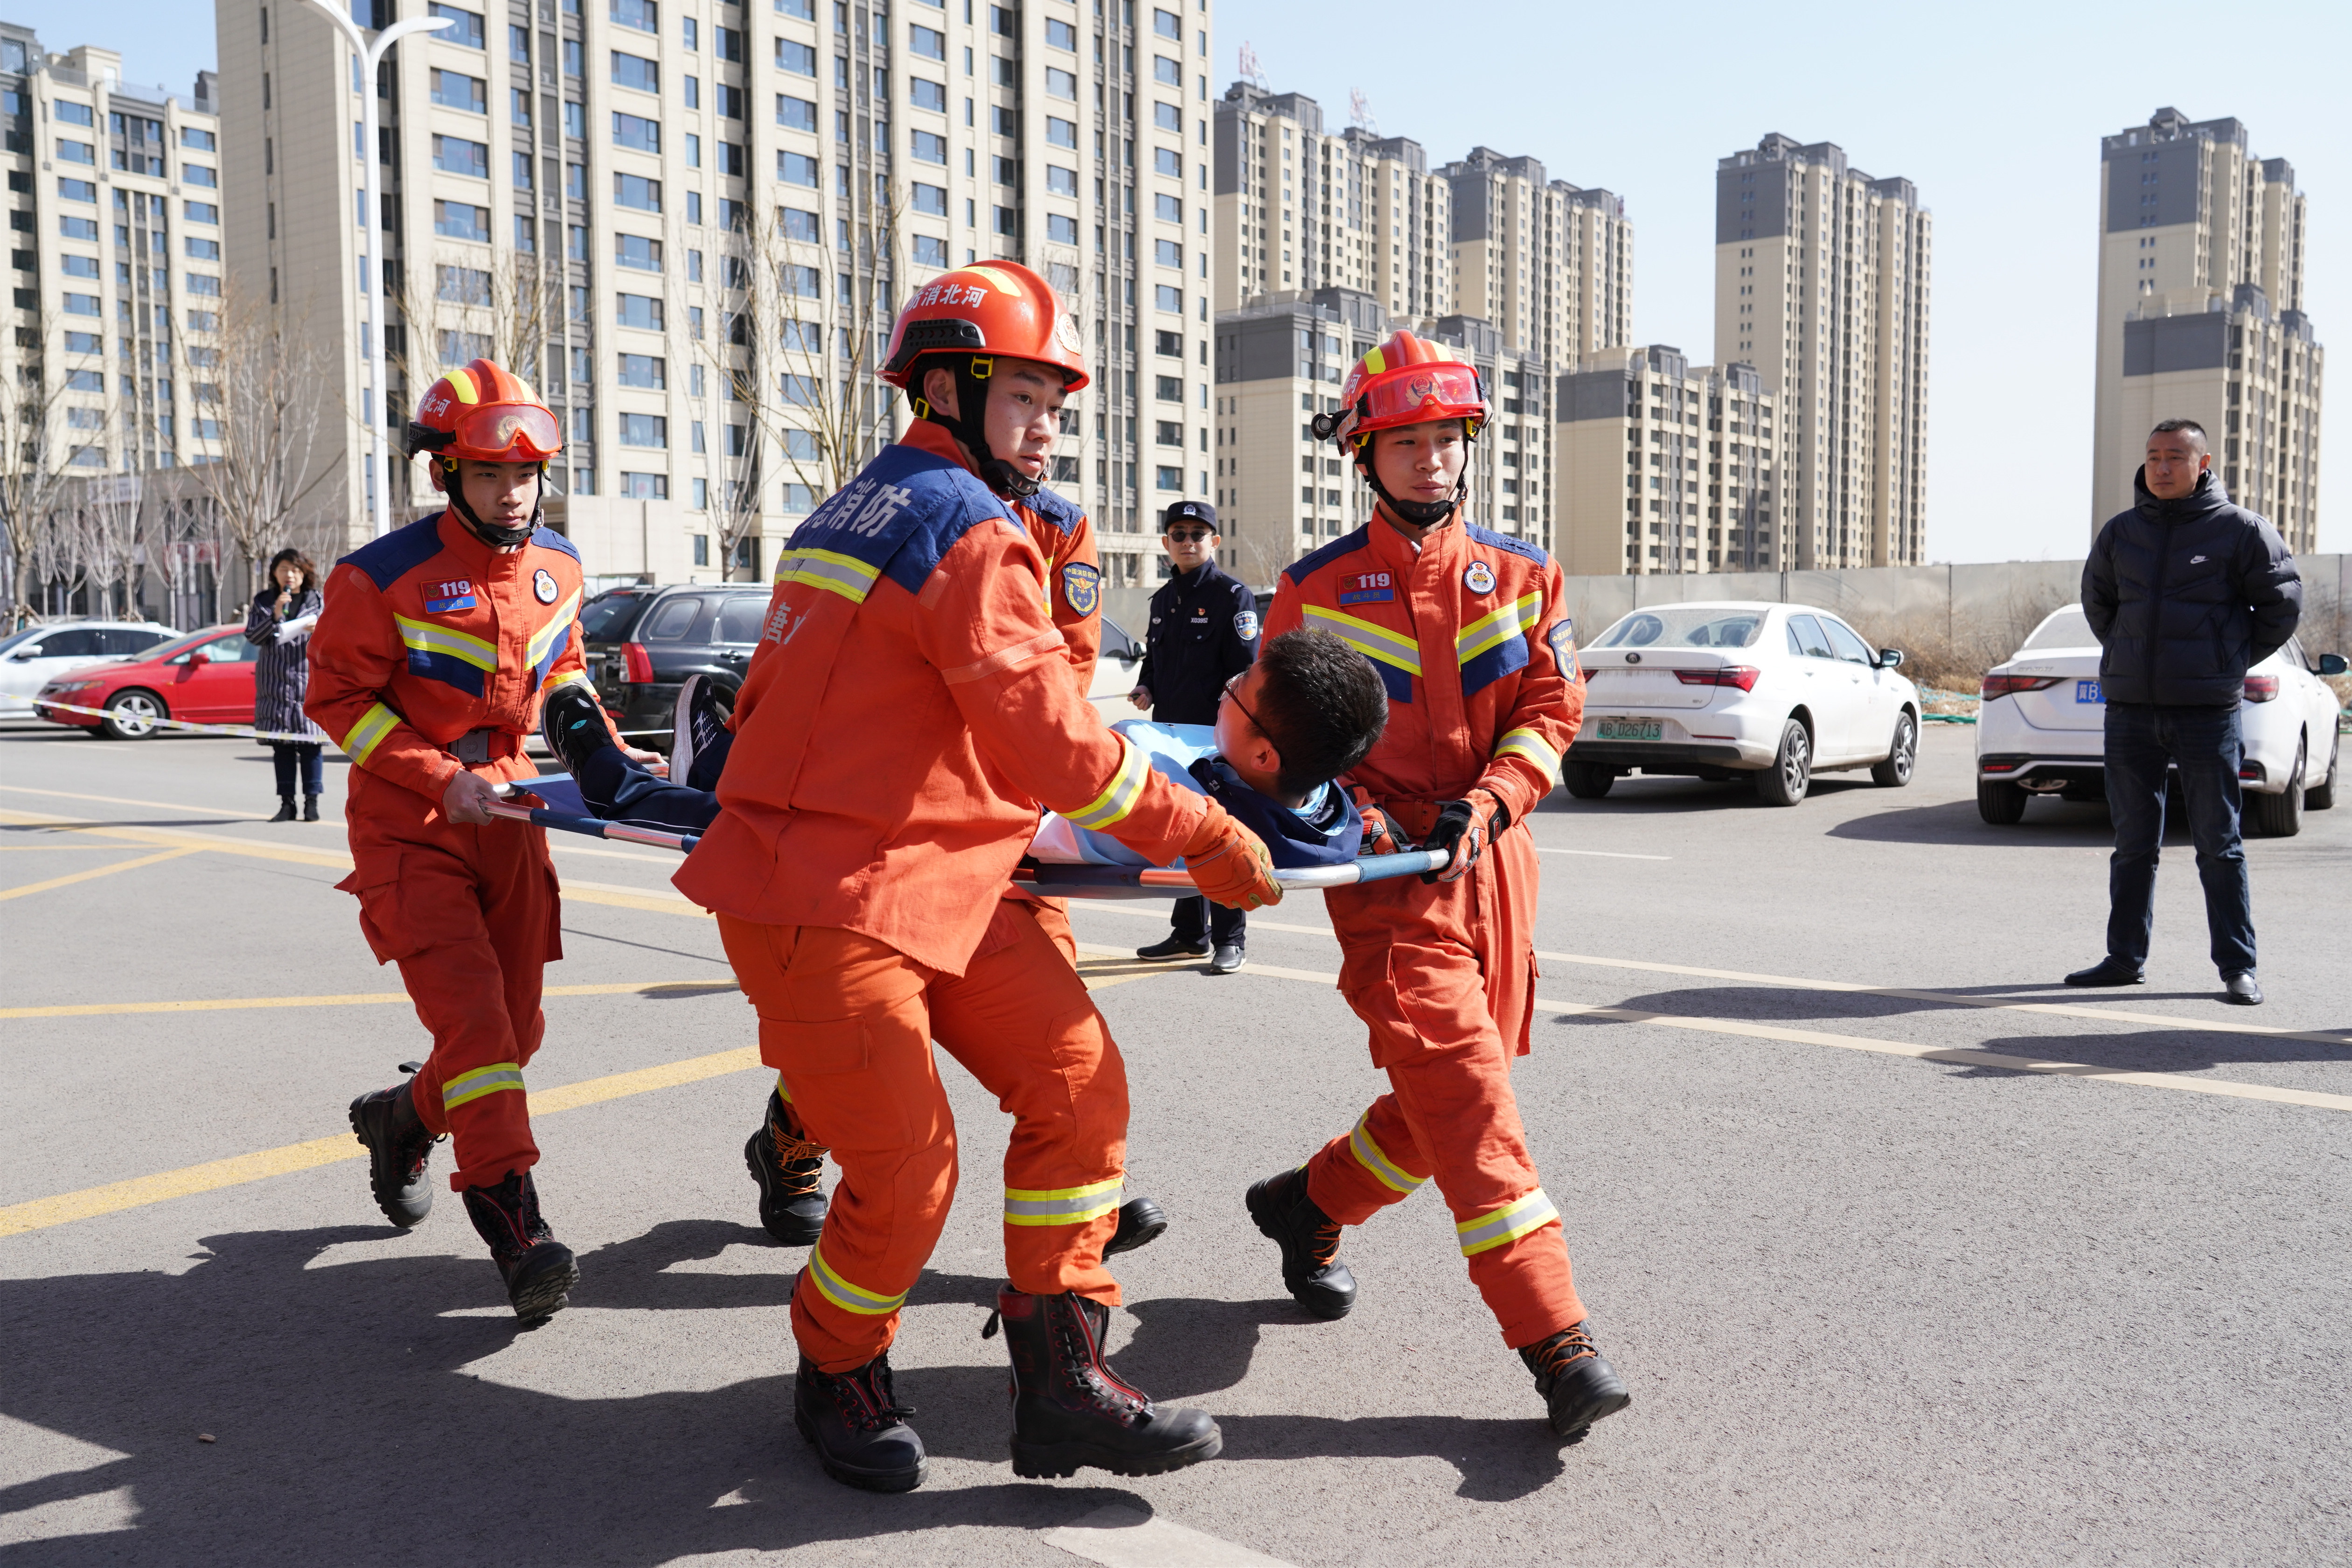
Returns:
(30, 658)
(2040, 730)
(1718, 690)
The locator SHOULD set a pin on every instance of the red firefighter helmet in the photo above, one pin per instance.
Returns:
(1405, 380)
(483, 414)
(990, 308)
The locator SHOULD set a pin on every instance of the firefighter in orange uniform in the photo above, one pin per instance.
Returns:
(906, 715)
(1465, 627)
(429, 663)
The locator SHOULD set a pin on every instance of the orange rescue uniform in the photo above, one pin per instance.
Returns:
(429, 659)
(907, 714)
(1468, 636)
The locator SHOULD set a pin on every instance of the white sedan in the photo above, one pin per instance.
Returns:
(1732, 688)
(31, 657)
(2040, 730)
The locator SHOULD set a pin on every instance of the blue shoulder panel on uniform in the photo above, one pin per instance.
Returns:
(1346, 544)
(387, 559)
(548, 539)
(1058, 509)
(903, 512)
(1488, 536)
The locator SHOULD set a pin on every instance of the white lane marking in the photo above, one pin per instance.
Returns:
(1160, 915)
(1122, 1537)
(1957, 1055)
(1600, 854)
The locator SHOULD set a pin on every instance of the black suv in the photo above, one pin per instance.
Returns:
(644, 642)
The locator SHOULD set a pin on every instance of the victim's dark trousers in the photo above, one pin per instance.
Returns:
(2207, 745)
(1223, 923)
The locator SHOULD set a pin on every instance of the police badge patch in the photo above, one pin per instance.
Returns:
(542, 582)
(1479, 578)
(1245, 626)
(1082, 587)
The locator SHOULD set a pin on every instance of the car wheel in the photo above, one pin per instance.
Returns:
(2003, 804)
(131, 716)
(1901, 757)
(2322, 796)
(2280, 816)
(1588, 781)
(1792, 773)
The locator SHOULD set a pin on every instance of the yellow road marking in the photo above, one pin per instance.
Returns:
(355, 999)
(28, 848)
(119, 800)
(113, 1197)
(94, 871)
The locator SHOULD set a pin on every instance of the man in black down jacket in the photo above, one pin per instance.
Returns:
(2186, 593)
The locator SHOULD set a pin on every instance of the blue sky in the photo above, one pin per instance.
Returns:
(1994, 111)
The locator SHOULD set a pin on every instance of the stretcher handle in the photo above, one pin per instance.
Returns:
(621, 832)
(1144, 881)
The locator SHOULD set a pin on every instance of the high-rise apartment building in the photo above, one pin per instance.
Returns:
(1666, 467)
(694, 221)
(2201, 317)
(1822, 283)
(115, 234)
(1299, 209)
(1548, 263)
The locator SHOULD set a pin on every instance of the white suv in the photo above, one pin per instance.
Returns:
(2040, 730)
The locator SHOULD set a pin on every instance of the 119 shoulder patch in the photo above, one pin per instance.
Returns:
(1081, 587)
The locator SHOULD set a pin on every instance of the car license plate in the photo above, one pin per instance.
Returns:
(1632, 729)
(2087, 691)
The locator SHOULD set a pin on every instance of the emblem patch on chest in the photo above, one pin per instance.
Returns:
(542, 584)
(445, 598)
(1368, 588)
(1479, 578)
(1081, 587)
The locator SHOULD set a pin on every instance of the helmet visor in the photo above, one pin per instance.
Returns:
(1437, 391)
(506, 433)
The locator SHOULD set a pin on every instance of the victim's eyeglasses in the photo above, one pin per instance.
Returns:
(1189, 536)
(1232, 692)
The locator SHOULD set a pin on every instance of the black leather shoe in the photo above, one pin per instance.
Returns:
(1174, 947)
(398, 1150)
(858, 1427)
(1578, 1386)
(1228, 958)
(1310, 1239)
(309, 808)
(539, 1271)
(572, 724)
(1140, 1221)
(1069, 1409)
(789, 1167)
(2108, 971)
(2240, 989)
(285, 808)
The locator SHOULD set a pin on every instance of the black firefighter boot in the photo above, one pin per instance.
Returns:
(538, 1269)
(787, 1163)
(858, 1426)
(1310, 1239)
(1069, 1410)
(1579, 1387)
(398, 1147)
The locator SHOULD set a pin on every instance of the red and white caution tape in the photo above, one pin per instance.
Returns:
(143, 722)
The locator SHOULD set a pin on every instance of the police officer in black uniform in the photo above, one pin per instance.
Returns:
(1203, 632)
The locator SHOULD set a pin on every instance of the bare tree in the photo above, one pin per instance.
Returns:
(173, 535)
(37, 446)
(257, 377)
(107, 517)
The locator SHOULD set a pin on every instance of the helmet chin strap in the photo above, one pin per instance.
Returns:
(497, 538)
(968, 425)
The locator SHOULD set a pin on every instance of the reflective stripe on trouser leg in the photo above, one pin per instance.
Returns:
(1377, 1162)
(849, 1298)
(1062, 1205)
(499, 1077)
(1502, 1226)
(1369, 1153)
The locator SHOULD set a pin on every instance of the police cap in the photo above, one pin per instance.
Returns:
(1188, 512)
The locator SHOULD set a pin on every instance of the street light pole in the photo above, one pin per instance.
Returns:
(377, 478)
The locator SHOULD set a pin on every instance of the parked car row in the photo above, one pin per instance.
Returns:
(205, 678)
(31, 659)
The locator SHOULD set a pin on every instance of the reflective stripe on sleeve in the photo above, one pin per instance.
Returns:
(1513, 620)
(1375, 1159)
(842, 1294)
(424, 636)
(1498, 1227)
(1117, 798)
(467, 1087)
(1373, 642)
(1527, 744)
(557, 623)
(1063, 1205)
(374, 726)
(830, 570)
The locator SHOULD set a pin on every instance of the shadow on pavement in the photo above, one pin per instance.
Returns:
(2158, 1050)
(2047, 825)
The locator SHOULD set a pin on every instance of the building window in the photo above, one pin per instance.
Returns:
(638, 311)
(455, 155)
(644, 430)
(466, 28)
(644, 487)
(640, 15)
(461, 220)
(636, 132)
(451, 89)
(795, 114)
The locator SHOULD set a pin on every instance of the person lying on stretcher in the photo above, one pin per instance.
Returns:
(1304, 713)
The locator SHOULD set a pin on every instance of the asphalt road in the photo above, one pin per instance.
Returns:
(1885, 1292)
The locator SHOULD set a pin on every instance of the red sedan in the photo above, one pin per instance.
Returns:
(205, 677)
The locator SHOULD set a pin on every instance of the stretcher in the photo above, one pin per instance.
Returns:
(1054, 879)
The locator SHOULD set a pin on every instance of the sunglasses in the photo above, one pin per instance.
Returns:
(1189, 536)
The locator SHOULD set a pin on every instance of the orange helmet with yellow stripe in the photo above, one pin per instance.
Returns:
(1405, 380)
(483, 414)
